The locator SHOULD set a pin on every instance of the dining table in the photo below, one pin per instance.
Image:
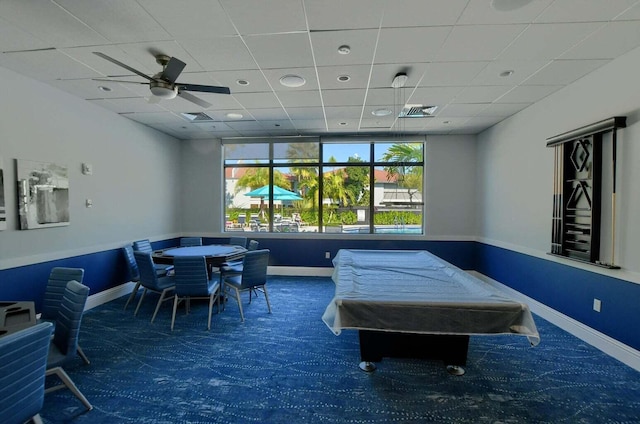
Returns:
(215, 254)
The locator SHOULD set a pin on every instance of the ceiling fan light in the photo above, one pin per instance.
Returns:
(164, 92)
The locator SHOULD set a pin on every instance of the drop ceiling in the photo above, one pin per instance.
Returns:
(476, 62)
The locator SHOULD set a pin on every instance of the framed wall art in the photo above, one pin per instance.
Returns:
(43, 194)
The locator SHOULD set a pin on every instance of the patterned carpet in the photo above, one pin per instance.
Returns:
(287, 367)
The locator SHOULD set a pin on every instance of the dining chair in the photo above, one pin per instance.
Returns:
(192, 282)
(190, 241)
(23, 362)
(235, 267)
(253, 278)
(145, 246)
(64, 343)
(238, 241)
(150, 281)
(56, 285)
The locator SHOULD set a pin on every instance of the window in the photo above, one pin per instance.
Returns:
(315, 186)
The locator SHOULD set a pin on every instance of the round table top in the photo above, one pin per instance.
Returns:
(208, 250)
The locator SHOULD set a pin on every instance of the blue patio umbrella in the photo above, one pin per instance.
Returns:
(279, 193)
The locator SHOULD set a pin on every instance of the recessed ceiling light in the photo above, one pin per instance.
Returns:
(344, 49)
(104, 88)
(507, 73)
(242, 82)
(292, 81)
(343, 78)
(234, 115)
(381, 112)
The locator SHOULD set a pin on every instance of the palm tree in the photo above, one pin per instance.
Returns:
(406, 165)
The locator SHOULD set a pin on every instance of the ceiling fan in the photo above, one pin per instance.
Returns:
(163, 85)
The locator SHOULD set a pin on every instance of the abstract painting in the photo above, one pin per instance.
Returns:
(43, 194)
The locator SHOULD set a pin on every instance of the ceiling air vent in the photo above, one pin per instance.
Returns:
(417, 111)
(196, 116)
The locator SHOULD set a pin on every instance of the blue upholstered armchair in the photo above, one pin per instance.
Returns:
(252, 279)
(65, 337)
(150, 281)
(23, 360)
(192, 282)
(58, 279)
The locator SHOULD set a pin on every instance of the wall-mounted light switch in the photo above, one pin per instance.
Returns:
(87, 169)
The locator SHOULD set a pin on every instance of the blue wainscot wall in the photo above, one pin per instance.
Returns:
(566, 289)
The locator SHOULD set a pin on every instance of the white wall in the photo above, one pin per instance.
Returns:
(134, 186)
(450, 191)
(202, 194)
(515, 168)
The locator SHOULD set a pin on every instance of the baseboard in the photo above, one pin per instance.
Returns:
(109, 295)
(612, 347)
(301, 271)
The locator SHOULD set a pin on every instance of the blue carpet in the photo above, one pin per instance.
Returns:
(287, 367)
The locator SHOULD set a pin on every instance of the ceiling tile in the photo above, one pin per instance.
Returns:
(181, 22)
(265, 17)
(608, 42)
(477, 42)
(220, 53)
(50, 23)
(483, 94)
(422, 12)
(154, 117)
(89, 89)
(358, 77)
(353, 97)
(399, 45)
(269, 114)
(451, 73)
(340, 14)
(46, 65)
(281, 50)
(461, 110)
(482, 12)
(13, 38)
(257, 100)
(382, 75)
(562, 72)
(577, 11)
(503, 109)
(255, 78)
(547, 41)
(521, 70)
(120, 21)
(439, 96)
(361, 43)
(291, 98)
(528, 93)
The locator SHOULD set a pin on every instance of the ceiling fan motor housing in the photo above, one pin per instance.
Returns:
(163, 89)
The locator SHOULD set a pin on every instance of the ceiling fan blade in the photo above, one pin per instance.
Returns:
(194, 99)
(127, 67)
(204, 88)
(120, 81)
(173, 69)
(153, 100)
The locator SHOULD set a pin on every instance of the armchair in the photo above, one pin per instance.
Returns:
(192, 282)
(253, 278)
(58, 279)
(23, 361)
(65, 337)
(150, 281)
